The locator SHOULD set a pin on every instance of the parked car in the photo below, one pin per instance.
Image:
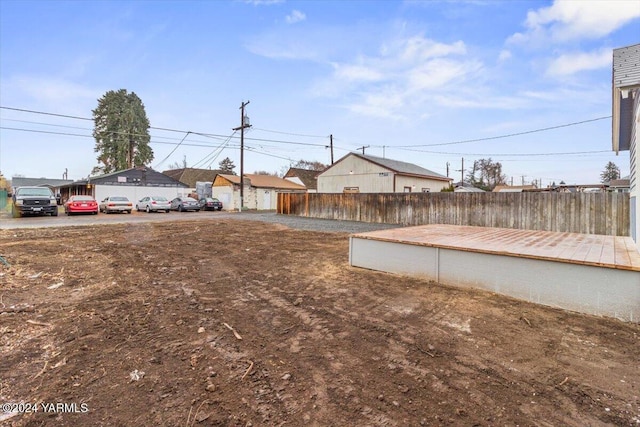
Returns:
(182, 204)
(153, 204)
(81, 204)
(33, 201)
(116, 204)
(210, 204)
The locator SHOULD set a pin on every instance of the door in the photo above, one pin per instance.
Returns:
(266, 200)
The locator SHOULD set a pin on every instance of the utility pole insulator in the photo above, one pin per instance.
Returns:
(363, 147)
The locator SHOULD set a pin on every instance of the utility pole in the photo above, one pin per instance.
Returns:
(363, 147)
(460, 170)
(331, 146)
(244, 123)
(447, 169)
(383, 151)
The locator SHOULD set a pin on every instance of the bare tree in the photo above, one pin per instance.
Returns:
(486, 174)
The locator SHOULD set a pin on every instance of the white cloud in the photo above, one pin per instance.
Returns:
(384, 104)
(438, 73)
(263, 2)
(418, 48)
(295, 16)
(46, 90)
(406, 72)
(351, 73)
(504, 55)
(575, 62)
(568, 20)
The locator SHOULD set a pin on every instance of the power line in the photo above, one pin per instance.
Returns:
(168, 129)
(506, 136)
(215, 153)
(173, 151)
(402, 147)
(292, 134)
(45, 113)
(506, 154)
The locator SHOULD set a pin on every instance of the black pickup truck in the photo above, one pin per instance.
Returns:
(34, 201)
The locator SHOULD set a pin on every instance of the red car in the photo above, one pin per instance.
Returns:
(81, 204)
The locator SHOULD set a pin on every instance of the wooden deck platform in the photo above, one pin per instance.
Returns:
(588, 249)
(593, 274)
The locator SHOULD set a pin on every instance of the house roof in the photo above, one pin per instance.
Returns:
(307, 176)
(18, 181)
(264, 181)
(513, 188)
(468, 189)
(399, 167)
(190, 176)
(139, 176)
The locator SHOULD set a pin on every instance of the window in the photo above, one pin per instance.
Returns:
(351, 190)
(426, 190)
(407, 189)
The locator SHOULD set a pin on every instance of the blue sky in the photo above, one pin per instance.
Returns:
(413, 80)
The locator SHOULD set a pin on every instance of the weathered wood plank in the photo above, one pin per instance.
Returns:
(588, 213)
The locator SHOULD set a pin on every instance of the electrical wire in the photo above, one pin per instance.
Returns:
(292, 134)
(506, 154)
(213, 154)
(172, 151)
(401, 147)
(505, 136)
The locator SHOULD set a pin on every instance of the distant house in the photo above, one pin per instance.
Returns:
(190, 176)
(53, 184)
(468, 189)
(619, 185)
(625, 120)
(306, 177)
(513, 188)
(358, 173)
(260, 191)
(134, 183)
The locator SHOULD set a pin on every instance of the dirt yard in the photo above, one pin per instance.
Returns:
(241, 323)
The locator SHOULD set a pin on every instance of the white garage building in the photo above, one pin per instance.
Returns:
(134, 183)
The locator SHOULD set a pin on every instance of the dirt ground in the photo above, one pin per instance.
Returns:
(240, 323)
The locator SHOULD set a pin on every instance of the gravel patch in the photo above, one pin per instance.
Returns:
(314, 224)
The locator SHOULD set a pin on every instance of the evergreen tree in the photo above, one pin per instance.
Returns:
(226, 165)
(121, 131)
(611, 171)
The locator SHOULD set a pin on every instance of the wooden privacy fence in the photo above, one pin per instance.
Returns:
(589, 213)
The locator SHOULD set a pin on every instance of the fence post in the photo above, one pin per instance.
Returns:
(306, 204)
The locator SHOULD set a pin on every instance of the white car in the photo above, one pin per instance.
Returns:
(116, 204)
(153, 204)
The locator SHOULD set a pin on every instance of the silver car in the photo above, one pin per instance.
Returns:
(116, 204)
(153, 204)
(182, 204)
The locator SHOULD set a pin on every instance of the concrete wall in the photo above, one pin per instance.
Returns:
(594, 290)
(135, 193)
